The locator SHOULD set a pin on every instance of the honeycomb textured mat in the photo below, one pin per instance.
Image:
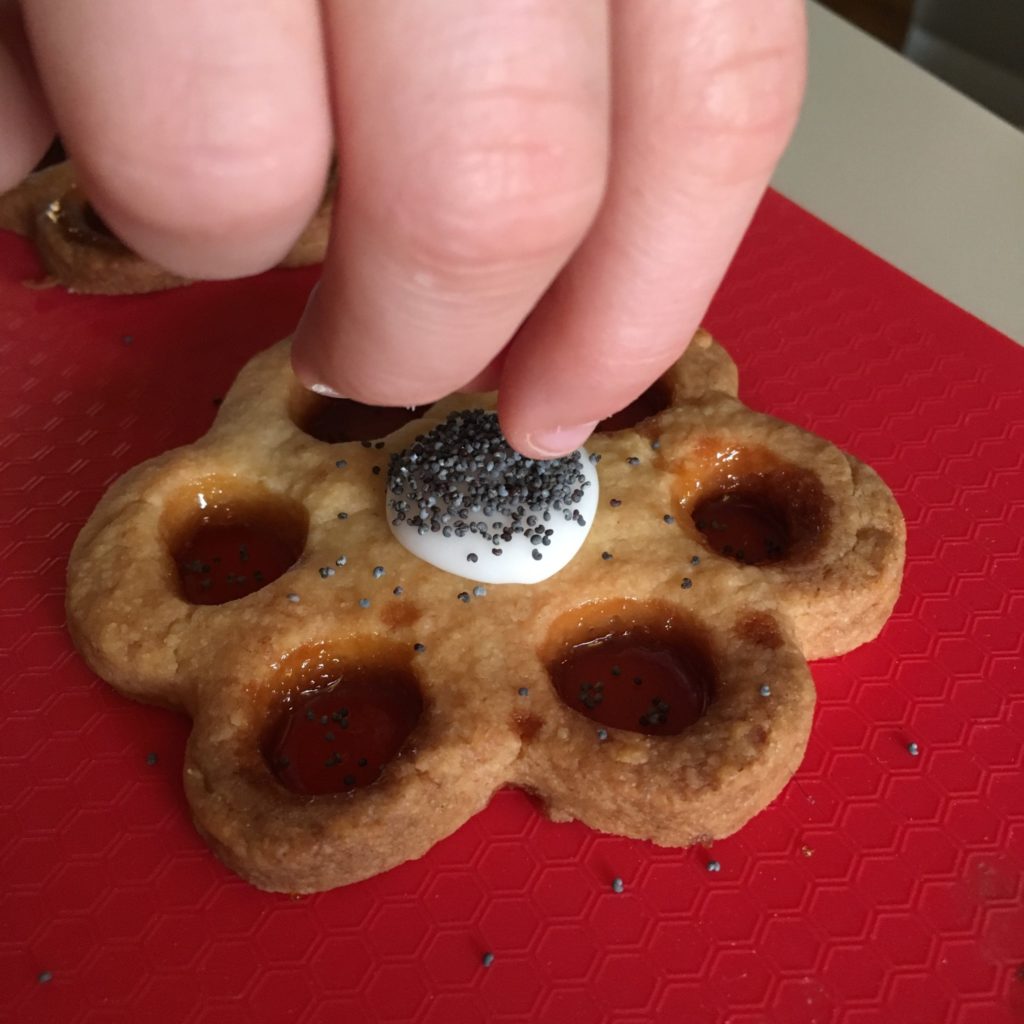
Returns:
(878, 887)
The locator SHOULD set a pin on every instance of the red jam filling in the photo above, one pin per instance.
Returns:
(655, 399)
(340, 419)
(744, 526)
(231, 552)
(339, 736)
(636, 680)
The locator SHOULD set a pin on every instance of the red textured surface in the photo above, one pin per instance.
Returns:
(879, 887)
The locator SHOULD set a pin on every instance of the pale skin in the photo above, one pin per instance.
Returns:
(535, 195)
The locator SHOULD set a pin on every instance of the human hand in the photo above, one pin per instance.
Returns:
(540, 197)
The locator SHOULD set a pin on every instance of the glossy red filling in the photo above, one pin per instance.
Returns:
(339, 736)
(658, 684)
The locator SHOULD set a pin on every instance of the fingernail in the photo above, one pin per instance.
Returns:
(558, 441)
(323, 389)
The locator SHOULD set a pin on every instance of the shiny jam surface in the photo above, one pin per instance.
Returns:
(744, 526)
(81, 224)
(338, 736)
(658, 684)
(340, 419)
(653, 400)
(232, 551)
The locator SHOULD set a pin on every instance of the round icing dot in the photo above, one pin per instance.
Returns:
(463, 500)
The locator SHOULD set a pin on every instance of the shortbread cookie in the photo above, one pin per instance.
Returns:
(353, 703)
(79, 251)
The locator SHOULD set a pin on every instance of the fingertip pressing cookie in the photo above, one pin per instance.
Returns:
(353, 703)
(79, 252)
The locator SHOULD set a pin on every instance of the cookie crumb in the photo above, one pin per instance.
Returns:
(152, 758)
(44, 977)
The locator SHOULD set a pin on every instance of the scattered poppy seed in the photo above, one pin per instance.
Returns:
(350, 780)
(343, 515)
(398, 591)
(362, 762)
(524, 691)
(615, 502)
(329, 737)
(633, 460)
(294, 598)
(713, 865)
(487, 959)
(479, 591)
(378, 445)
(594, 458)
(341, 463)
(472, 557)
(378, 571)
(127, 339)
(602, 735)
(325, 571)
(617, 885)
(616, 670)
(152, 758)
(766, 690)
(364, 602)
(695, 560)
(656, 443)
(341, 560)
(376, 470)
(366, 444)
(687, 583)
(44, 977)
(218, 401)
(913, 749)
(419, 648)
(464, 597)
(668, 519)
(606, 555)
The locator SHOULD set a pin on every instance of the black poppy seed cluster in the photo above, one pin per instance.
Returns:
(462, 478)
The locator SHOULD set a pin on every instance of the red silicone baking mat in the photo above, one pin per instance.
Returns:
(879, 887)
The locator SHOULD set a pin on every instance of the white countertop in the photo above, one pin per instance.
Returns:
(911, 169)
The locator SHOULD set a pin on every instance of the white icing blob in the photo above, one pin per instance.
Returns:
(516, 563)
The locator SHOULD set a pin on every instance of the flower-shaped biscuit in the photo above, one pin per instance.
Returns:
(352, 704)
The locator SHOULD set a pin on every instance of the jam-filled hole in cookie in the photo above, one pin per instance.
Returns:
(335, 420)
(79, 222)
(655, 399)
(755, 509)
(227, 543)
(646, 669)
(340, 722)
